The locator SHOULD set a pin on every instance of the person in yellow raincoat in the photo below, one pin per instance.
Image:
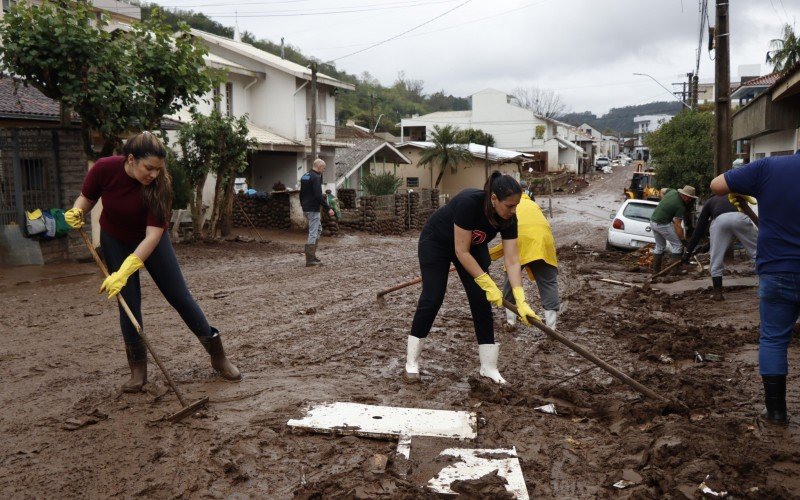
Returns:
(537, 255)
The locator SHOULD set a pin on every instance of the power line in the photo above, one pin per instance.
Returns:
(403, 33)
(292, 12)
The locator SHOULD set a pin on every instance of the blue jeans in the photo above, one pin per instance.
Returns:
(779, 307)
(314, 226)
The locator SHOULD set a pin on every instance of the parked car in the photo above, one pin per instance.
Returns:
(600, 162)
(240, 185)
(630, 228)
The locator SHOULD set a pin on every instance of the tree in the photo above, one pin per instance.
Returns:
(683, 151)
(446, 151)
(784, 52)
(542, 102)
(213, 144)
(117, 81)
(475, 135)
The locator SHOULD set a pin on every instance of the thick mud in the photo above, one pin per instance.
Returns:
(307, 335)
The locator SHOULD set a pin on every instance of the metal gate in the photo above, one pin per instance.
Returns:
(28, 173)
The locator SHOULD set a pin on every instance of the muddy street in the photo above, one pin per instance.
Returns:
(303, 336)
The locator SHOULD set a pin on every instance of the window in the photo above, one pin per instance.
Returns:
(540, 131)
(7, 4)
(229, 98)
(412, 182)
(639, 211)
(32, 174)
(760, 155)
(217, 98)
(782, 153)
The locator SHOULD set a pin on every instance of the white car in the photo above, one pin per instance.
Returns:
(630, 228)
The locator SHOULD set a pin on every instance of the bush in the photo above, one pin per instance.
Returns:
(381, 184)
(181, 191)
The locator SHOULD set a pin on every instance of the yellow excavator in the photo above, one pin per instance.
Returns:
(642, 185)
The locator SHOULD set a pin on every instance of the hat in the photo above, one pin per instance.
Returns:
(688, 191)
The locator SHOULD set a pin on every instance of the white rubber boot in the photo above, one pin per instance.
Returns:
(413, 351)
(550, 318)
(511, 318)
(488, 354)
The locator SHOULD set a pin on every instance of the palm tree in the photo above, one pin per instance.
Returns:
(446, 152)
(785, 51)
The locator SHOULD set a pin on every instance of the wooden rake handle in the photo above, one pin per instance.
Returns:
(403, 285)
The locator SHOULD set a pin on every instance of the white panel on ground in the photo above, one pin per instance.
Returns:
(387, 421)
(475, 464)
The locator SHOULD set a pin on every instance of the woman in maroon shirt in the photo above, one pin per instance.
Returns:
(137, 199)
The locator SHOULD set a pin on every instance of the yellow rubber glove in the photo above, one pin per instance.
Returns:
(74, 217)
(115, 281)
(493, 294)
(736, 198)
(523, 308)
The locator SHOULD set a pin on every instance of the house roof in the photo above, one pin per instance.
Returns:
(271, 60)
(564, 144)
(479, 151)
(348, 160)
(216, 61)
(752, 88)
(787, 84)
(18, 100)
(268, 139)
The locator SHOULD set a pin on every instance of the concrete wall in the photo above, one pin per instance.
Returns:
(766, 145)
(267, 168)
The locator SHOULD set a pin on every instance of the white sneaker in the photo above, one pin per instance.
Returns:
(413, 350)
(488, 354)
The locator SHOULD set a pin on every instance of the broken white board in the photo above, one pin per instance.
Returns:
(387, 421)
(474, 464)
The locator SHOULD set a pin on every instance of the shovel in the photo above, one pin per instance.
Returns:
(586, 353)
(188, 409)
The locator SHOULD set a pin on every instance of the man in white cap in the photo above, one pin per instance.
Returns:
(666, 223)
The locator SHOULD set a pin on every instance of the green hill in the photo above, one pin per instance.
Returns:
(620, 120)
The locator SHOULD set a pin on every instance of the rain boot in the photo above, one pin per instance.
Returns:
(137, 362)
(413, 350)
(550, 318)
(676, 257)
(775, 399)
(314, 254)
(658, 260)
(219, 361)
(488, 354)
(310, 256)
(716, 292)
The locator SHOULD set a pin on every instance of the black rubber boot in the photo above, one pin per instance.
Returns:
(775, 399)
(676, 257)
(314, 254)
(716, 293)
(219, 361)
(137, 362)
(310, 256)
(658, 260)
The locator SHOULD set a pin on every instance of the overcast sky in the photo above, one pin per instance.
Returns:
(586, 50)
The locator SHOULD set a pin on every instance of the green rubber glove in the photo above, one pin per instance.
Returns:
(493, 294)
(115, 281)
(523, 308)
(74, 217)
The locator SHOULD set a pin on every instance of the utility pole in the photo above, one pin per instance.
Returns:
(695, 90)
(313, 126)
(722, 90)
(372, 113)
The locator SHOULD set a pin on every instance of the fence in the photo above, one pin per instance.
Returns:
(389, 214)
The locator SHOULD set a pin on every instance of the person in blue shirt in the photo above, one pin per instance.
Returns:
(775, 182)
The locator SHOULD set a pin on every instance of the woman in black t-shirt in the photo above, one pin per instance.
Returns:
(459, 232)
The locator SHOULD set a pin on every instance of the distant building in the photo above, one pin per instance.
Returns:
(643, 125)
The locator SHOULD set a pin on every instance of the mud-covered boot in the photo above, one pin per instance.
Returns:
(310, 256)
(314, 254)
(219, 361)
(716, 292)
(658, 260)
(137, 362)
(488, 354)
(413, 351)
(676, 259)
(775, 399)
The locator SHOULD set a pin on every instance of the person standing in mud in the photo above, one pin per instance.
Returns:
(311, 199)
(537, 255)
(666, 224)
(726, 222)
(773, 182)
(137, 199)
(459, 232)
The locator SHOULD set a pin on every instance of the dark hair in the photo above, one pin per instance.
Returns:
(158, 194)
(502, 186)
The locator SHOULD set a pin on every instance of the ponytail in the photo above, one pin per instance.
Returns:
(158, 194)
(502, 186)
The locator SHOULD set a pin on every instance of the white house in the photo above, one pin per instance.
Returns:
(512, 126)
(643, 125)
(605, 145)
(275, 94)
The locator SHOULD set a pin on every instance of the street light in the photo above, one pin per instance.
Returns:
(663, 87)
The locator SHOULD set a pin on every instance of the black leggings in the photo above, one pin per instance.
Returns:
(163, 268)
(434, 265)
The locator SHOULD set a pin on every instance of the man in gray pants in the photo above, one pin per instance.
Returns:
(666, 223)
(726, 222)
